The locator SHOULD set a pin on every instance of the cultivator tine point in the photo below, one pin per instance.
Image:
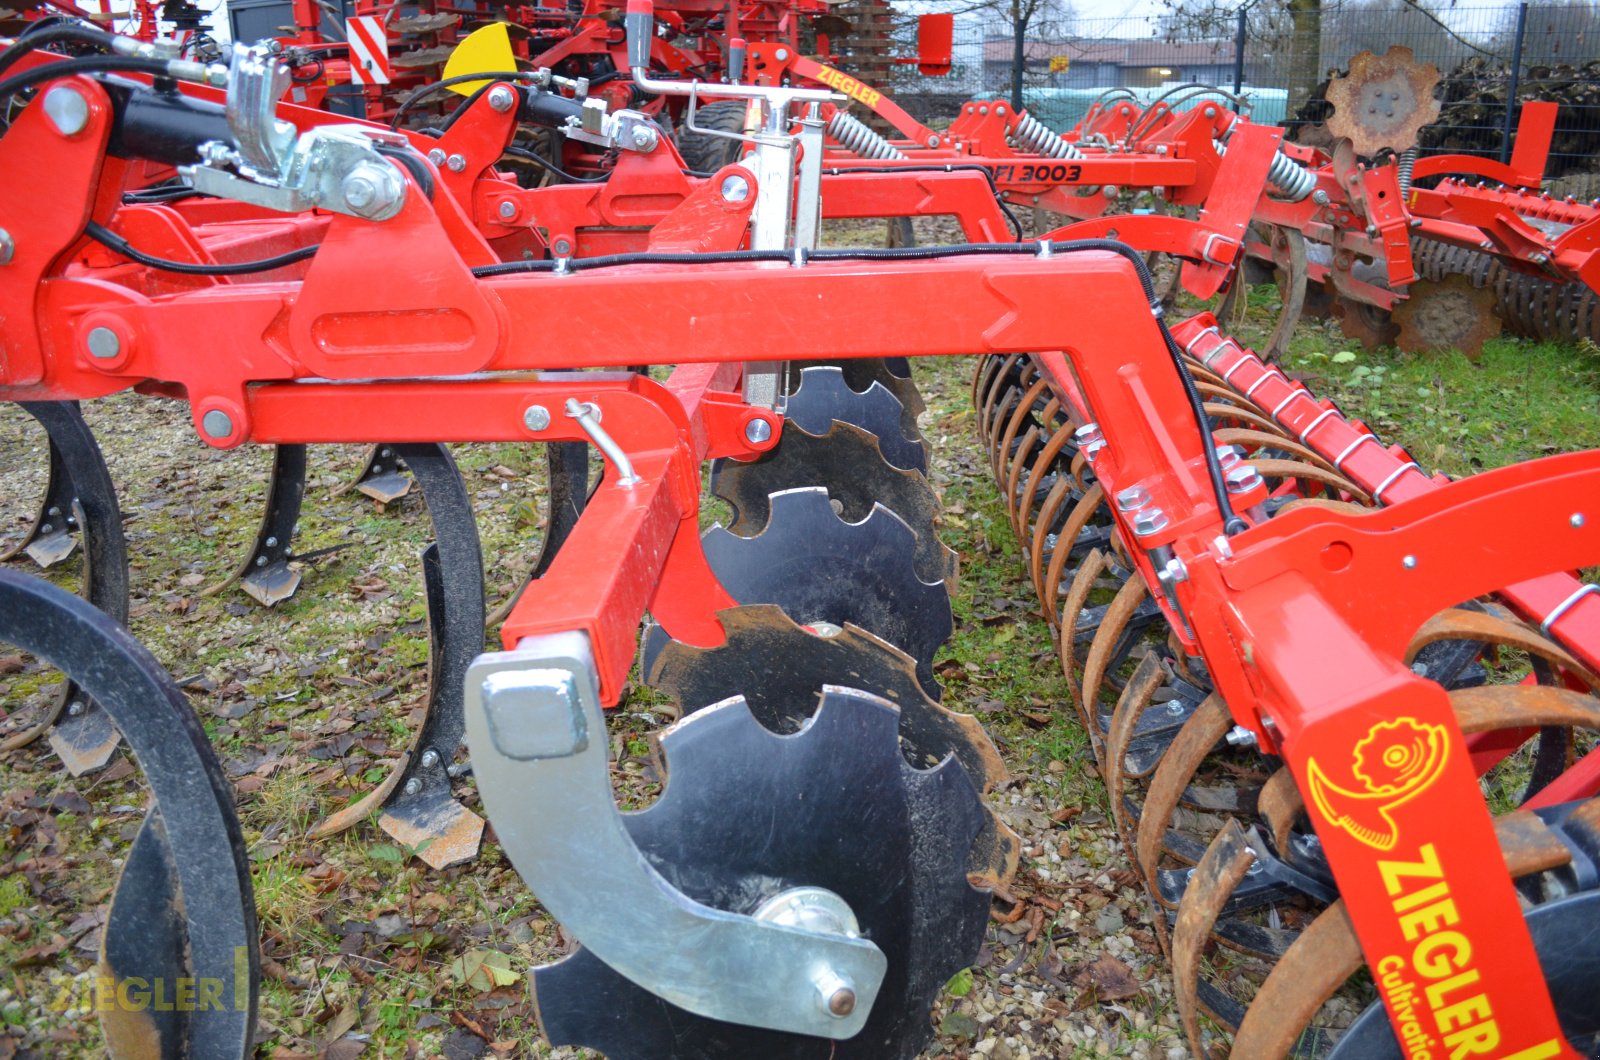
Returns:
(83, 737)
(265, 574)
(382, 476)
(50, 539)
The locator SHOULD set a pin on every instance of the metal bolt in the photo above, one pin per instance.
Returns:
(216, 424)
(271, 542)
(838, 994)
(735, 188)
(983, 110)
(413, 786)
(67, 109)
(75, 708)
(508, 209)
(1175, 708)
(103, 343)
(371, 190)
(436, 156)
(430, 758)
(757, 431)
(455, 163)
(1239, 736)
(54, 512)
(1150, 521)
(8, 247)
(261, 561)
(46, 528)
(501, 98)
(562, 248)
(1000, 109)
(536, 417)
(781, 54)
(1576, 520)
(1319, 197)
(1409, 563)
(1242, 478)
(933, 141)
(644, 138)
(1132, 499)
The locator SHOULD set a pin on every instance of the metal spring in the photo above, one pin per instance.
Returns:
(1035, 135)
(1288, 176)
(1408, 158)
(855, 135)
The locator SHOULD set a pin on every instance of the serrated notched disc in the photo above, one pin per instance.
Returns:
(1383, 102)
(780, 668)
(821, 568)
(746, 814)
(824, 396)
(849, 463)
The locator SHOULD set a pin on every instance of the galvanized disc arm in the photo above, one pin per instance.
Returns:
(540, 753)
(183, 912)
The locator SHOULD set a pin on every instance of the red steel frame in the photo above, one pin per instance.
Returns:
(1303, 620)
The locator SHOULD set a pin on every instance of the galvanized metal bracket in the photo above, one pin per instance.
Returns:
(540, 755)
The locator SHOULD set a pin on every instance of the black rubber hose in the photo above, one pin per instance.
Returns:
(89, 64)
(110, 240)
(59, 33)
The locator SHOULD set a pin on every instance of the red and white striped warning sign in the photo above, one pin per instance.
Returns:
(369, 50)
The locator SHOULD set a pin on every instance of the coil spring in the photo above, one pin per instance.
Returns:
(1408, 158)
(855, 135)
(1288, 176)
(1035, 135)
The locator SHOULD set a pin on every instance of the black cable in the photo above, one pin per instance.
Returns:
(89, 64)
(1231, 522)
(438, 86)
(110, 240)
(165, 193)
(58, 33)
(994, 189)
(544, 163)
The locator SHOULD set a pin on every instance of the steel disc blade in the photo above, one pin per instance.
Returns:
(746, 814)
(824, 396)
(848, 462)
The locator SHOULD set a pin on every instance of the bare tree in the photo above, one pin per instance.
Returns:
(1041, 18)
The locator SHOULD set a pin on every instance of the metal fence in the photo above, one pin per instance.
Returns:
(1490, 60)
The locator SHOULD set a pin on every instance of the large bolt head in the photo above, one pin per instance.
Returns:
(536, 417)
(507, 210)
(757, 431)
(1132, 498)
(501, 97)
(644, 138)
(1242, 478)
(1150, 521)
(373, 191)
(735, 188)
(67, 109)
(217, 424)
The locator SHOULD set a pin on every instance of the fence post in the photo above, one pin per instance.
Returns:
(1238, 58)
(1019, 61)
(1511, 86)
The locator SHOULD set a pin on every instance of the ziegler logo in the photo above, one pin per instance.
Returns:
(1394, 763)
(849, 86)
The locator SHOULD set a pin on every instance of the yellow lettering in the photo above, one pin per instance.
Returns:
(1436, 993)
(1435, 965)
(185, 999)
(210, 998)
(1472, 1010)
(1428, 919)
(1416, 898)
(1391, 964)
(1395, 871)
(241, 979)
(1479, 1038)
(133, 995)
(105, 993)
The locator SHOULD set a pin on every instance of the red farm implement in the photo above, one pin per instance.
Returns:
(1283, 636)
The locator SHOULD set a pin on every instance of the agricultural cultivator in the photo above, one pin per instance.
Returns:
(1289, 644)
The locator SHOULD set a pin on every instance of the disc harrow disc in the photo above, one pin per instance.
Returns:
(1448, 314)
(1366, 324)
(1383, 102)
(746, 814)
(824, 396)
(848, 462)
(780, 667)
(821, 568)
